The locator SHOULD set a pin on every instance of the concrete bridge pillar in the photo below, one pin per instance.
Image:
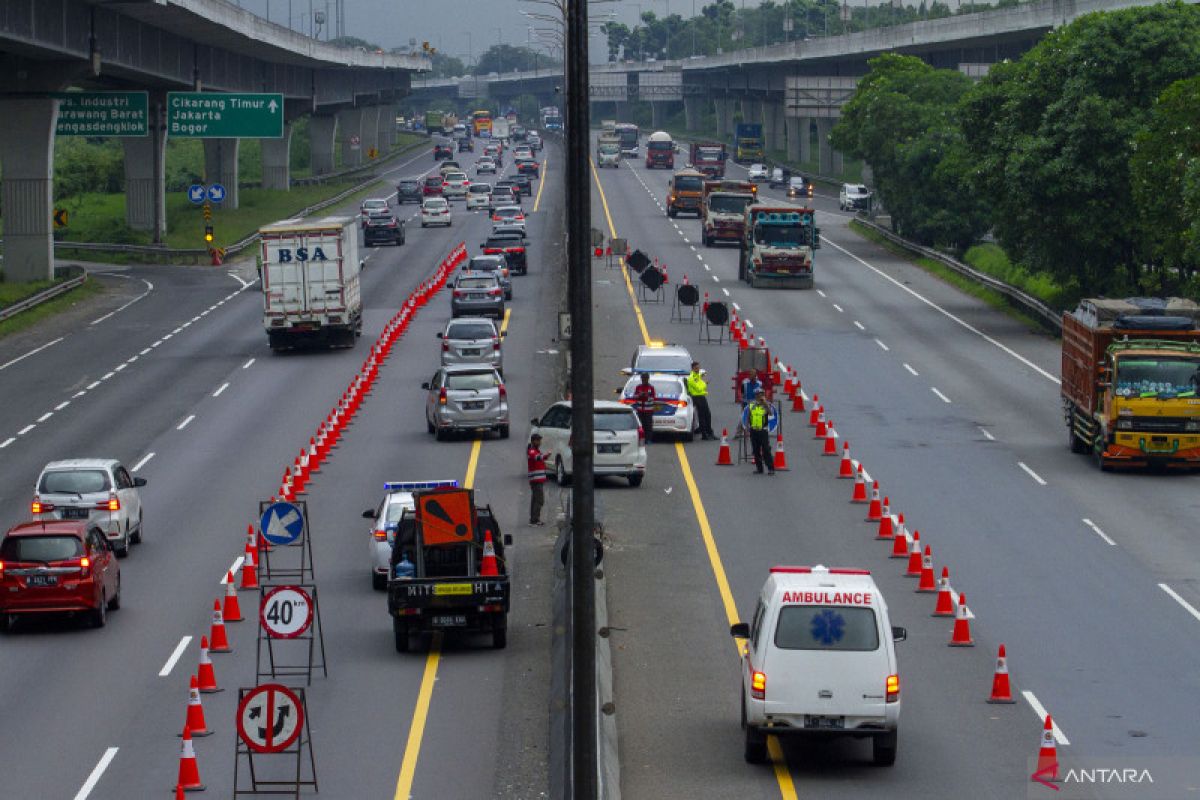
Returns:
(793, 137)
(221, 166)
(145, 185)
(806, 139)
(386, 136)
(825, 153)
(780, 128)
(321, 130)
(751, 111)
(693, 108)
(369, 132)
(277, 161)
(724, 107)
(27, 191)
(772, 135)
(349, 136)
(658, 114)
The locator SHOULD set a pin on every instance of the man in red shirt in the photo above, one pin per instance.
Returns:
(644, 401)
(536, 460)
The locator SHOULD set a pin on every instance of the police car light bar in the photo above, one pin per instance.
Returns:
(416, 486)
(831, 571)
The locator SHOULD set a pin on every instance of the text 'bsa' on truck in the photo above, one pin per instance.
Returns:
(1130, 381)
(747, 142)
(660, 151)
(709, 158)
(310, 282)
(685, 191)
(778, 245)
(723, 210)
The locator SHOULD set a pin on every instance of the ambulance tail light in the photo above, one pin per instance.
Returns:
(893, 688)
(758, 685)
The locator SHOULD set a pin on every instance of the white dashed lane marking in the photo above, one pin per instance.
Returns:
(936, 391)
(1041, 481)
(1096, 529)
(185, 423)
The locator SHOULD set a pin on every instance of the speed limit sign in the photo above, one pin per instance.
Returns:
(286, 612)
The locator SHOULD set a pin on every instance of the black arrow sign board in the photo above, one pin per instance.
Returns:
(270, 718)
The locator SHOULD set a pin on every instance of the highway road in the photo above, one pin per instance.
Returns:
(171, 373)
(1090, 579)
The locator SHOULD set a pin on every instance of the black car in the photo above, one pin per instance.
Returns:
(385, 228)
(528, 167)
(408, 191)
(524, 183)
(497, 264)
(511, 245)
(441, 151)
(466, 145)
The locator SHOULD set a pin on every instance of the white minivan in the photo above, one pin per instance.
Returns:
(620, 442)
(820, 659)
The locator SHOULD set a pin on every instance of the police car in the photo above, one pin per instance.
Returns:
(673, 411)
(397, 498)
(820, 659)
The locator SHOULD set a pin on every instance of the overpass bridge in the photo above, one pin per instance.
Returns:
(790, 88)
(48, 47)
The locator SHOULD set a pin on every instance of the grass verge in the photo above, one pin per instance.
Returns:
(16, 292)
(989, 296)
(90, 288)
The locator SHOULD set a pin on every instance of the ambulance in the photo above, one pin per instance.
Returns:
(820, 660)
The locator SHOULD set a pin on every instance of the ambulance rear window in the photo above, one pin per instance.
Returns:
(827, 628)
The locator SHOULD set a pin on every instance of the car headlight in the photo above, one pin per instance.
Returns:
(1124, 424)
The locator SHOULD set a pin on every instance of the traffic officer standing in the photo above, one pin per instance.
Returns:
(697, 389)
(759, 417)
(644, 401)
(537, 478)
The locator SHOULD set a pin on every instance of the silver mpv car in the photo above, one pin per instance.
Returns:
(472, 340)
(466, 398)
(476, 294)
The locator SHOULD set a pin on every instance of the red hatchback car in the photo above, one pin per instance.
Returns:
(57, 567)
(433, 186)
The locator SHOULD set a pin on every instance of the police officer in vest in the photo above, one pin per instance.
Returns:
(759, 416)
(645, 399)
(537, 478)
(697, 389)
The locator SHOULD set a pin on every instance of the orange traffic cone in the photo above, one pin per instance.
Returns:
(926, 582)
(189, 772)
(233, 609)
(217, 637)
(1047, 762)
(886, 528)
(860, 487)
(820, 431)
(724, 459)
(249, 569)
(1001, 688)
(179, 794)
(900, 542)
(777, 377)
(945, 599)
(206, 677)
(875, 510)
(489, 568)
(195, 712)
(914, 557)
(846, 466)
(815, 414)
(251, 542)
(961, 635)
(780, 457)
(830, 440)
(798, 401)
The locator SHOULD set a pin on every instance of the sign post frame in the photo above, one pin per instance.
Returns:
(280, 572)
(312, 638)
(260, 785)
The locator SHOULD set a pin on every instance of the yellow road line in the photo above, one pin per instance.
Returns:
(416, 730)
(504, 324)
(537, 201)
(784, 778)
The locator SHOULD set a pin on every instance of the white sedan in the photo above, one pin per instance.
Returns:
(758, 172)
(385, 522)
(674, 412)
(435, 211)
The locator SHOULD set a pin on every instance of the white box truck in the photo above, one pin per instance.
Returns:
(500, 129)
(310, 282)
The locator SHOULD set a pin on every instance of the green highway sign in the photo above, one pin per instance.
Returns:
(213, 115)
(103, 114)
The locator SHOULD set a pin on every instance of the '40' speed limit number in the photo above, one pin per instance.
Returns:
(286, 612)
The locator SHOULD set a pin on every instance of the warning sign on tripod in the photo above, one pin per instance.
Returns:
(272, 720)
(289, 643)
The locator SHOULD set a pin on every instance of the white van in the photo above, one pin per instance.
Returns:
(820, 659)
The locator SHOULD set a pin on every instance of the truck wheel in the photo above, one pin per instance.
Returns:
(883, 749)
(500, 635)
(400, 633)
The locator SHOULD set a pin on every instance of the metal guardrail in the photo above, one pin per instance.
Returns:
(8, 312)
(1047, 316)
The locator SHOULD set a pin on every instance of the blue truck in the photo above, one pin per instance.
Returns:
(747, 143)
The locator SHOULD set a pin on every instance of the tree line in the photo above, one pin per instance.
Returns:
(1082, 158)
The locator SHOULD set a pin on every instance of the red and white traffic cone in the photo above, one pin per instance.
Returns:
(961, 635)
(206, 676)
(820, 425)
(875, 510)
(900, 542)
(914, 556)
(489, 568)
(815, 413)
(780, 457)
(251, 542)
(195, 712)
(1047, 762)
(217, 637)
(232, 611)
(945, 596)
(886, 527)
(798, 399)
(830, 440)
(777, 377)
(926, 582)
(724, 459)
(1001, 687)
(314, 456)
(859, 494)
(249, 568)
(846, 465)
(189, 771)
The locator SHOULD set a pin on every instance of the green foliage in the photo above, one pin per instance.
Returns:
(87, 165)
(991, 260)
(902, 120)
(502, 58)
(445, 66)
(1051, 139)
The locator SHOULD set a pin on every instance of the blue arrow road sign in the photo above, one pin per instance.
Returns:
(216, 193)
(281, 523)
(196, 193)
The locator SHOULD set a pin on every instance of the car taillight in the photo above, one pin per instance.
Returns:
(496, 344)
(503, 392)
(442, 399)
(113, 503)
(380, 536)
(393, 224)
(758, 685)
(459, 293)
(492, 251)
(85, 563)
(641, 435)
(38, 507)
(445, 346)
(495, 292)
(893, 688)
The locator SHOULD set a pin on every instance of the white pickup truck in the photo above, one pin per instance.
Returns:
(310, 282)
